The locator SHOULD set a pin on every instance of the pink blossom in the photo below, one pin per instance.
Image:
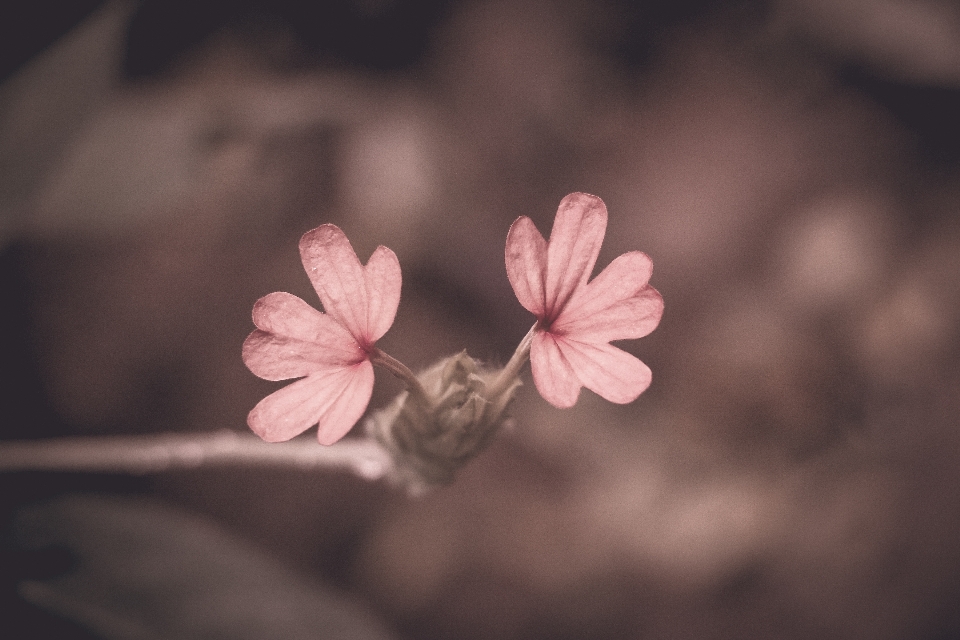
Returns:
(331, 351)
(576, 319)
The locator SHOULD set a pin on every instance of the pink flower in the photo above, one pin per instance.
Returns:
(576, 320)
(332, 350)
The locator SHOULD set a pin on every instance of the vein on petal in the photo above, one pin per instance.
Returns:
(574, 245)
(337, 276)
(290, 411)
(553, 375)
(383, 281)
(274, 357)
(611, 373)
(526, 261)
(346, 408)
(618, 304)
(287, 315)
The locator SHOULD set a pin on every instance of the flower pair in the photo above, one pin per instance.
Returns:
(569, 348)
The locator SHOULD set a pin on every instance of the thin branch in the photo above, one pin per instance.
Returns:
(154, 453)
(512, 370)
(402, 372)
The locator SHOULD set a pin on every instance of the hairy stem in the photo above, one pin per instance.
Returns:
(512, 370)
(403, 372)
(153, 453)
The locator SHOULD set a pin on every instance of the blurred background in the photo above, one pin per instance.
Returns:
(791, 166)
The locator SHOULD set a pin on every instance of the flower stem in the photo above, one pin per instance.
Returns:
(163, 452)
(512, 370)
(403, 372)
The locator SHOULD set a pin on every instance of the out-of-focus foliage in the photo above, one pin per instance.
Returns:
(143, 570)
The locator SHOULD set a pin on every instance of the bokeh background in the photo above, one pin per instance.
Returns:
(792, 167)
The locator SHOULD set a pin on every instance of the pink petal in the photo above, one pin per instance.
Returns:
(526, 256)
(287, 315)
(611, 373)
(617, 305)
(340, 416)
(334, 399)
(574, 245)
(337, 275)
(552, 373)
(382, 278)
(295, 339)
(275, 357)
(363, 301)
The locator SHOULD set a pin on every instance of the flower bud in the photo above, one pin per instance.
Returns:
(432, 435)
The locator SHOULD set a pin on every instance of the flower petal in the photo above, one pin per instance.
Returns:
(611, 373)
(526, 257)
(617, 305)
(382, 278)
(574, 245)
(287, 315)
(275, 357)
(364, 302)
(333, 399)
(552, 373)
(342, 414)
